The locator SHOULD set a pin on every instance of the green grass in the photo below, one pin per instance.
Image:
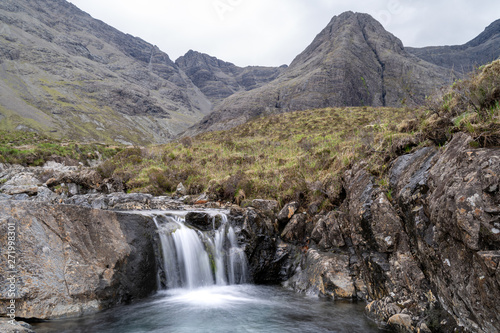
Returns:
(281, 157)
(34, 149)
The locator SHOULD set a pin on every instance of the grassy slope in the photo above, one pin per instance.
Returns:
(280, 157)
(298, 155)
(34, 149)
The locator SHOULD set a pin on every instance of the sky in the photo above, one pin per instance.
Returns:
(273, 32)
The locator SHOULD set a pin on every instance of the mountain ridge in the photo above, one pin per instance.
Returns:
(481, 50)
(353, 61)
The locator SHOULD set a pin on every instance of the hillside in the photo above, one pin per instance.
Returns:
(65, 73)
(354, 61)
(464, 58)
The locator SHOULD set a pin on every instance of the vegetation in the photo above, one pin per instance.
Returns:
(34, 149)
(298, 155)
(303, 155)
(291, 156)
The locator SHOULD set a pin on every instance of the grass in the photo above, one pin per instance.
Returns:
(34, 149)
(298, 155)
(303, 155)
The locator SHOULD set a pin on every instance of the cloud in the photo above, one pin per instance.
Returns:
(263, 32)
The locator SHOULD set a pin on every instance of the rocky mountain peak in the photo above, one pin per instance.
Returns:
(353, 61)
(345, 31)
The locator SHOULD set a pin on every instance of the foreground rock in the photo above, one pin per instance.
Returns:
(426, 258)
(72, 261)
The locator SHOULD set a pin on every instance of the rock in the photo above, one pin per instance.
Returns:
(401, 322)
(24, 182)
(286, 213)
(444, 205)
(180, 190)
(13, 326)
(129, 201)
(269, 207)
(324, 274)
(268, 260)
(295, 230)
(202, 221)
(327, 232)
(73, 261)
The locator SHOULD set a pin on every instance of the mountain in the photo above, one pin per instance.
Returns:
(62, 71)
(463, 58)
(218, 79)
(354, 61)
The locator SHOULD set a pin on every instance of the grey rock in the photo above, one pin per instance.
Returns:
(287, 212)
(14, 326)
(265, 206)
(180, 190)
(74, 261)
(218, 79)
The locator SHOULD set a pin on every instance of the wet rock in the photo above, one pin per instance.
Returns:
(286, 213)
(327, 232)
(202, 221)
(295, 230)
(14, 326)
(401, 323)
(324, 274)
(74, 261)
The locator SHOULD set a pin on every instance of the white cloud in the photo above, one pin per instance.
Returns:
(273, 32)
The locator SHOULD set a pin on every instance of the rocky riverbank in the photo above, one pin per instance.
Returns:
(422, 252)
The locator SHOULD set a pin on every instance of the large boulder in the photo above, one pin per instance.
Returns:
(72, 261)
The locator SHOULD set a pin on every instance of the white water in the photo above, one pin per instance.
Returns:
(194, 259)
(205, 277)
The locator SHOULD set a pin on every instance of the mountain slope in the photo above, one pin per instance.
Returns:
(218, 79)
(354, 61)
(481, 50)
(64, 72)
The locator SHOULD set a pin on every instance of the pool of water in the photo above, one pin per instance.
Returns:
(222, 309)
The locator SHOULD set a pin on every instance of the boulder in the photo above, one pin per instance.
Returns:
(202, 221)
(73, 261)
(286, 213)
(269, 207)
(24, 182)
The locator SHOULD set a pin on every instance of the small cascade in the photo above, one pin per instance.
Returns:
(194, 259)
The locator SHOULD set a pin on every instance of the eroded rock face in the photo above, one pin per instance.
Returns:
(73, 261)
(426, 257)
(452, 220)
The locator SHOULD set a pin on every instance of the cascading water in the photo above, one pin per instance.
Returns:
(204, 290)
(194, 259)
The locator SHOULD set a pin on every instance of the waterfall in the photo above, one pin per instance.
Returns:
(193, 258)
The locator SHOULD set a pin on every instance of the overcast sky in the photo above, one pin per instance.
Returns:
(273, 32)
